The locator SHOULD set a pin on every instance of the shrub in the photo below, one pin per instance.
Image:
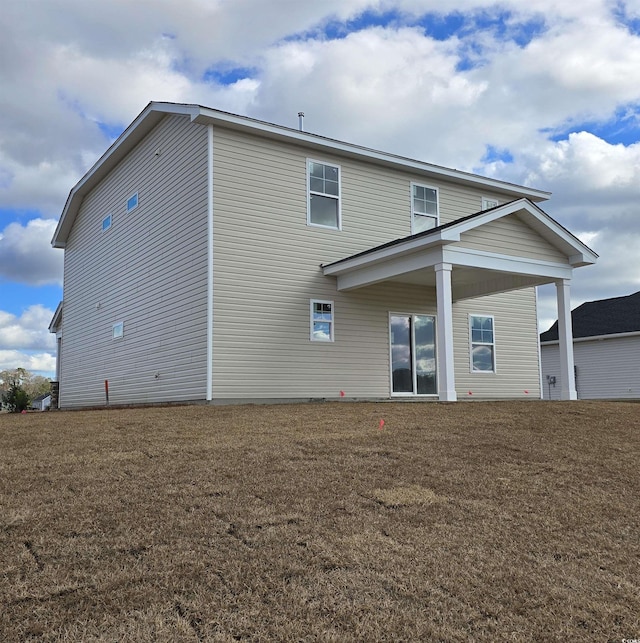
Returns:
(16, 398)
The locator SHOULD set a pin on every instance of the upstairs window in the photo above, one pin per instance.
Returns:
(487, 203)
(106, 223)
(424, 208)
(483, 345)
(321, 321)
(132, 202)
(323, 195)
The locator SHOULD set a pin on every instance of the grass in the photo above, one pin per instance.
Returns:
(512, 521)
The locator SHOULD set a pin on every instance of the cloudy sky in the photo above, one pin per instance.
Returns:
(538, 92)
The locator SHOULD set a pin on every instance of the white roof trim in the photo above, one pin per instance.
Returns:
(56, 319)
(207, 115)
(396, 250)
(578, 254)
(155, 111)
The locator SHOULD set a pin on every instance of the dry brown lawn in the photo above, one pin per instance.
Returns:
(453, 522)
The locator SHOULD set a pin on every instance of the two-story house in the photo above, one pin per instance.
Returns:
(214, 257)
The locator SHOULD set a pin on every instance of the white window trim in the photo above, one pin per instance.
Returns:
(135, 194)
(392, 393)
(332, 323)
(339, 198)
(117, 330)
(486, 205)
(110, 217)
(471, 343)
(420, 214)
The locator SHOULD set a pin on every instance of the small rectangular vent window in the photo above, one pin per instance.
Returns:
(132, 202)
(106, 223)
(487, 204)
(118, 330)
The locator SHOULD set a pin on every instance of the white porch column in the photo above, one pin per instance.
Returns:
(446, 375)
(565, 341)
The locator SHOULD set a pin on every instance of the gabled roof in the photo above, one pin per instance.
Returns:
(577, 252)
(155, 112)
(56, 320)
(603, 317)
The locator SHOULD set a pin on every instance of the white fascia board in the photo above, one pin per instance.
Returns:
(395, 267)
(207, 115)
(385, 254)
(595, 338)
(491, 215)
(471, 258)
(56, 319)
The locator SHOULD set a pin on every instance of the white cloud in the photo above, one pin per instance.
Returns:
(26, 255)
(39, 363)
(29, 331)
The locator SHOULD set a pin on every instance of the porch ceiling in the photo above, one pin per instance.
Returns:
(472, 282)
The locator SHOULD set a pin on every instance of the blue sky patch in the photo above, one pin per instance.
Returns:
(336, 29)
(506, 28)
(10, 215)
(494, 154)
(622, 128)
(439, 26)
(228, 75)
(16, 298)
(110, 131)
(469, 27)
(619, 12)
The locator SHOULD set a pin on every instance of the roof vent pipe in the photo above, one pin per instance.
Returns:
(301, 121)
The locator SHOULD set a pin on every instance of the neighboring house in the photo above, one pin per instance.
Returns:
(214, 257)
(41, 402)
(606, 350)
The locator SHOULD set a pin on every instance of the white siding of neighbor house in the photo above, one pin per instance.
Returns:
(512, 237)
(148, 271)
(606, 368)
(267, 268)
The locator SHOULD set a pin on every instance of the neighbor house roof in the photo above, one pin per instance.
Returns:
(155, 112)
(603, 317)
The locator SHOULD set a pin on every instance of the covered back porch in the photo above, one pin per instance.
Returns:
(506, 248)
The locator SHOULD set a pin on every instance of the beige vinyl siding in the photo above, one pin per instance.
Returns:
(457, 201)
(516, 346)
(148, 271)
(605, 369)
(512, 237)
(267, 268)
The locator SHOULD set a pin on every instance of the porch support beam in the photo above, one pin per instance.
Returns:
(446, 374)
(565, 341)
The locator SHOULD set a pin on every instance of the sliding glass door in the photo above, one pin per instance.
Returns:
(413, 354)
